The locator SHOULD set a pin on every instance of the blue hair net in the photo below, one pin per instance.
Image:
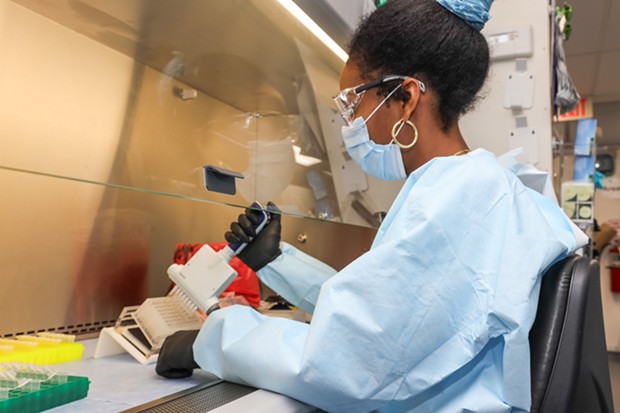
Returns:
(474, 12)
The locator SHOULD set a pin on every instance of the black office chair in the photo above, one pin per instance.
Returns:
(570, 370)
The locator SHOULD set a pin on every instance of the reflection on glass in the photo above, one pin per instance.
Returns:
(109, 111)
(143, 94)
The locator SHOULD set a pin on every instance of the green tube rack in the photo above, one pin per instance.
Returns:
(48, 396)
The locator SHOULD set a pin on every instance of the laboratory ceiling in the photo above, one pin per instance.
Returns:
(593, 50)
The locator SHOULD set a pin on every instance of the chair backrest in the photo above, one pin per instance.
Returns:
(570, 368)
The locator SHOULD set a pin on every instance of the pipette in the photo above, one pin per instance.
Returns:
(208, 273)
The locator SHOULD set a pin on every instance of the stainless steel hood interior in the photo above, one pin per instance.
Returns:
(101, 164)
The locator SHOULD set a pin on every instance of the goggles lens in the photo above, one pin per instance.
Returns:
(346, 102)
(348, 99)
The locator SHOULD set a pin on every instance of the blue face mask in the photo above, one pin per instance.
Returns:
(381, 161)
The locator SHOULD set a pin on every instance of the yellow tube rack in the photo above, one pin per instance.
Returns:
(43, 348)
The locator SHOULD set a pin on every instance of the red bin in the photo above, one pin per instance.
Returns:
(615, 279)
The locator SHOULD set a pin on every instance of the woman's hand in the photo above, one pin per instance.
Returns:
(176, 357)
(262, 248)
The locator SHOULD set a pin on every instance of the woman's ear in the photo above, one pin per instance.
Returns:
(412, 87)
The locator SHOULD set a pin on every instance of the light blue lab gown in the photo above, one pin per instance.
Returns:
(434, 318)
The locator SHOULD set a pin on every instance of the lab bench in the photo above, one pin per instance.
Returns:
(119, 383)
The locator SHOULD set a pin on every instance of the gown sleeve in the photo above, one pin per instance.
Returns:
(296, 276)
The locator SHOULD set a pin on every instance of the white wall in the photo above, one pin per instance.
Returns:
(490, 124)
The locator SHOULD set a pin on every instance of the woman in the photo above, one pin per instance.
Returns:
(435, 317)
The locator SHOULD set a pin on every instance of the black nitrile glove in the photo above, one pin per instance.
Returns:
(265, 247)
(176, 357)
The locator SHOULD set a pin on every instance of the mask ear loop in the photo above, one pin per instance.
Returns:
(382, 102)
(400, 124)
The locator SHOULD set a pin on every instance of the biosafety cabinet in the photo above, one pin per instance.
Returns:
(111, 109)
(109, 112)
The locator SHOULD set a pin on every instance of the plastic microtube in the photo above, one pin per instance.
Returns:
(67, 338)
(6, 349)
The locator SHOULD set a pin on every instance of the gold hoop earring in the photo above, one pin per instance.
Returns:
(400, 125)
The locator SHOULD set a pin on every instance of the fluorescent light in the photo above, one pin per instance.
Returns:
(304, 160)
(304, 19)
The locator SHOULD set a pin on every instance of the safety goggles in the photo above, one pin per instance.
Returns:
(348, 100)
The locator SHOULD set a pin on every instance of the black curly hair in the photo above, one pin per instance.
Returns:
(422, 39)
